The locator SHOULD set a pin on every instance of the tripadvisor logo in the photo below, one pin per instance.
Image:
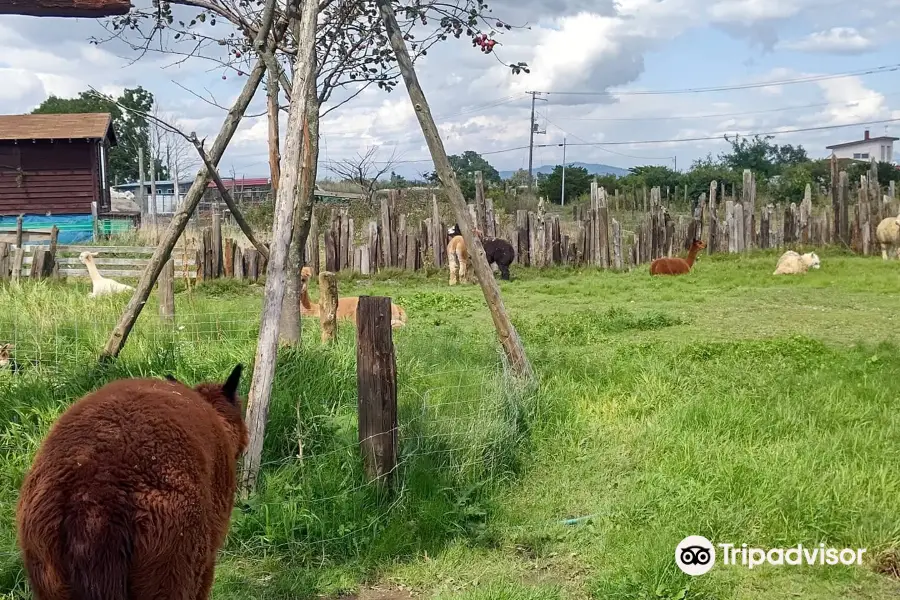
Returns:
(696, 555)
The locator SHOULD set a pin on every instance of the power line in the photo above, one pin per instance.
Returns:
(717, 137)
(607, 149)
(666, 141)
(726, 88)
(850, 103)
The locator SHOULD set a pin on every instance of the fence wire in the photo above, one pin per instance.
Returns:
(459, 427)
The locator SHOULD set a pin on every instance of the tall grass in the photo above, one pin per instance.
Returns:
(461, 430)
(726, 403)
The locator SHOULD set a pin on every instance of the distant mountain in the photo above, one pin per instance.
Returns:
(592, 168)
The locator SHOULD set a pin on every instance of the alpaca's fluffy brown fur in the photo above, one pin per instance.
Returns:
(130, 495)
(677, 266)
(347, 305)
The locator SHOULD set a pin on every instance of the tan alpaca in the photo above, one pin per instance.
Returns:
(346, 308)
(457, 256)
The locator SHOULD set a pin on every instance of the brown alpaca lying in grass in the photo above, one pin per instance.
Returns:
(677, 266)
(130, 495)
(346, 308)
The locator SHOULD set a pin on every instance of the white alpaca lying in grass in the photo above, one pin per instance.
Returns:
(103, 286)
(792, 263)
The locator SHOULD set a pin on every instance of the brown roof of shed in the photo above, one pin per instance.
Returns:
(79, 126)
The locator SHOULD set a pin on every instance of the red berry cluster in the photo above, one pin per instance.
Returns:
(486, 43)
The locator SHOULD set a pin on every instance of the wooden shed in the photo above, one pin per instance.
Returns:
(54, 164)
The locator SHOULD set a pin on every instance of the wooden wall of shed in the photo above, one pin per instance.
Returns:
(40, 177)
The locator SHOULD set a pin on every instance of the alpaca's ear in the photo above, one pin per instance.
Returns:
(229, 388)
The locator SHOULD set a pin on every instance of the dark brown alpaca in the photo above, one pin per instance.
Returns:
(677, 266)
(130, 495)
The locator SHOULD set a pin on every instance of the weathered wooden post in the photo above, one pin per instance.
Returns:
(376, 381)
(835, 199)
(617, 242)
(480, 207)
(95, 222)
(166, 291)
(748, 209)
(328, 301)
(713, 236)
(216, 247)
(843, 208)
(805, 211)
(4, 261)
(53, 267)
(863, 208)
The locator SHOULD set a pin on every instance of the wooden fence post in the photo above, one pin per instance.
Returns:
(40, 262)
(346, 241)
(617, 242)
(713, 236)
(805, 211)
(490, 220)
(863, 207)
(95, 222)
(312, 245)
(166, 291)
(376, 380)
(386, 233)
(238, 268)
(4, 261)
(480, 208)
(844, 203)
(328, 301)
(437, 234)
(748, 209)
(228, 257)
(217, 261)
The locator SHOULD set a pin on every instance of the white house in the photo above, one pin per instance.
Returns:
(880, 148)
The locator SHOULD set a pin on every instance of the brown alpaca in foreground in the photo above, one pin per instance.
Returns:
(346, 308)
(677, 266)
(130, 495)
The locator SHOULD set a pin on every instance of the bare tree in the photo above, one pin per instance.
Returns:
(363, 171)
(169, 149)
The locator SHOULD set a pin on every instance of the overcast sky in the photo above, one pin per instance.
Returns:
(589, 47)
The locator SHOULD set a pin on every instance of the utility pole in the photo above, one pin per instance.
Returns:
(534, 130)
(562, 201)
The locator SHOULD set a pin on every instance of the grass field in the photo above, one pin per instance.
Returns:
(727, 403)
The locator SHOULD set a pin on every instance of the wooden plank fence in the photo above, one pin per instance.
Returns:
(596, 237)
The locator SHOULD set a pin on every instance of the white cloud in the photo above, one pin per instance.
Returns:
(851, 102)
(578, 45)
(837, 40)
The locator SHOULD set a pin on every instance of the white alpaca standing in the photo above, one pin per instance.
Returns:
(792, 263)
(103, 286)
(888, 235)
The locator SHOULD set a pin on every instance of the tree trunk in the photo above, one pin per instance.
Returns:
(509, 337)
(303, 207)
(267, 349)
(274, 143)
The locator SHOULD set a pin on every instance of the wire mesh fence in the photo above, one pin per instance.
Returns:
(460, 422)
